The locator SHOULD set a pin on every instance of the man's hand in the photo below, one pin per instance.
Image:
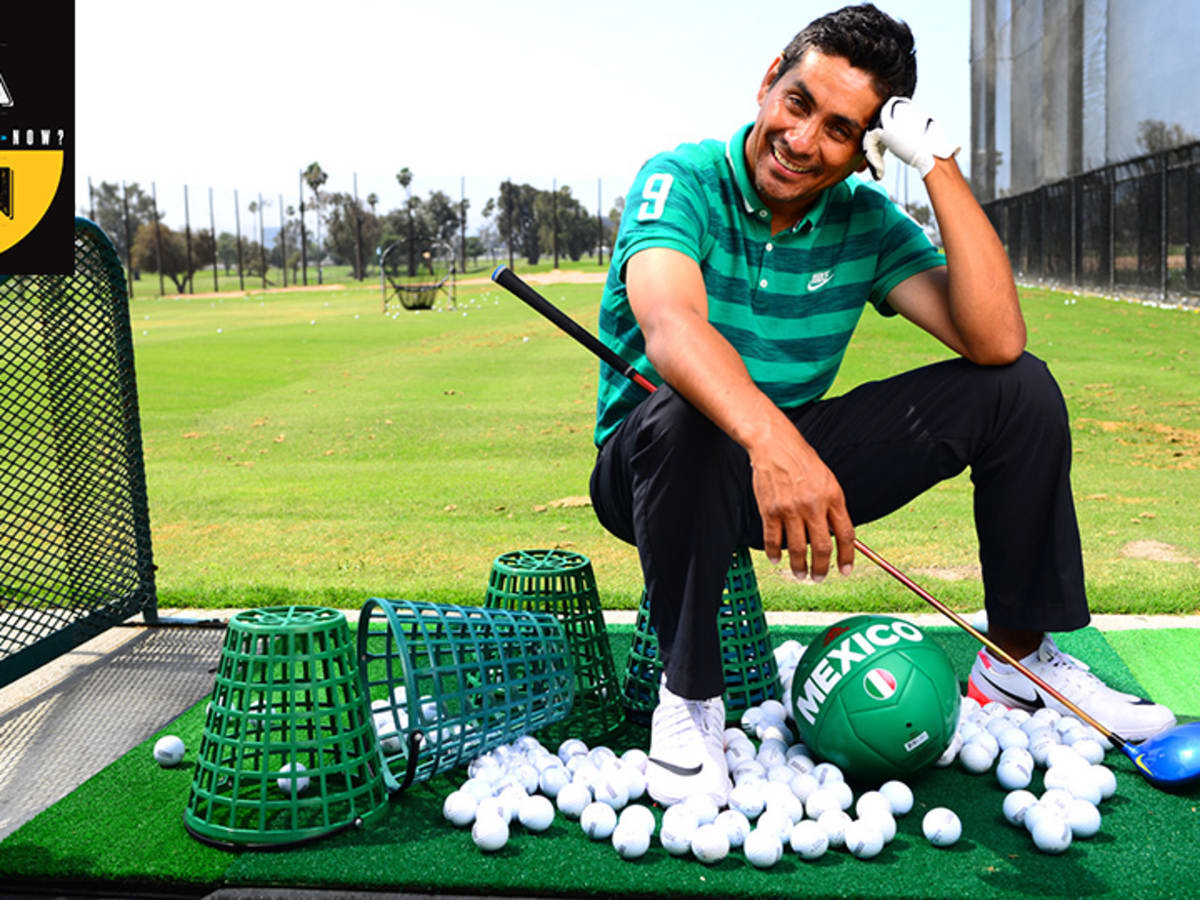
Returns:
(800, 501)
(910, 134)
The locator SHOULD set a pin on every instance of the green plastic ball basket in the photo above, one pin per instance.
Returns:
(448, 683)
(751, 672)
(288, 754)
(562, 584)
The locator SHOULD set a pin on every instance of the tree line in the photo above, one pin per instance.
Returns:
(521, 220)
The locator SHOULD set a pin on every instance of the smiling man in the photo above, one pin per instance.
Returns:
(740, 271)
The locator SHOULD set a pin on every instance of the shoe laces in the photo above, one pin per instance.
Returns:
(1071, 672)
(684, 716)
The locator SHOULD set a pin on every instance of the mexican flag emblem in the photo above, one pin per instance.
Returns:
(880, 684)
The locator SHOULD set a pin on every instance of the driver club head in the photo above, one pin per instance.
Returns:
(1170, 759)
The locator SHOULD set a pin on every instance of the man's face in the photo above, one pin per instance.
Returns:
(808, 134)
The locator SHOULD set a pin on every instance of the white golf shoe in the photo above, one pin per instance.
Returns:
(687, 750)
(1133, 718)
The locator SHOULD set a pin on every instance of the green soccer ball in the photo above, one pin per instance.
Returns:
(876, 696)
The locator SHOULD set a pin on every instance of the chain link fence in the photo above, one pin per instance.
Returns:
(1128, 228)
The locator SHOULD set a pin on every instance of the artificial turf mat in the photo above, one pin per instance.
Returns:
(124, 827)
(1166, 662)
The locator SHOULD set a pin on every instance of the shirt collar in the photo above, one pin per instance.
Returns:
(752, 205)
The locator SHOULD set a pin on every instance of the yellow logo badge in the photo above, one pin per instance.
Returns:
(29, 180)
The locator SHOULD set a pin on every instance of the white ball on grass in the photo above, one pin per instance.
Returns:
(975, 757)
(787, 803)
(598, 820)
(872, 801)
(678, 825)
(736, 826)
(900, 796)
(630, 839)
(611, 790)
(1083, 818)
(169, 751)
(553, 779)
(834, 823)
(884, 821)
(803, 785)
(459, 808)
(635, 782)
(1105, 780)
(1085, 786)
(763, 848)
(827, 774)
(941, 827)
(536, 813)
(864, 839)
(1051, 834)
(821, 801)
(809, 840)
(842, 791)
(749, 800)
(636, 758)
(950, 753)
(1013, 774)
(774, 709)
(1016, 804)
(289, 785)
(710, 844)
(1090, 750)
(1057, 799)
(636, 814)
(572, 799)
(704, 806)
(489, 833)
(1012, 737)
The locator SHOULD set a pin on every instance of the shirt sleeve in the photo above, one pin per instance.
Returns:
(665, 207)
(904, 250)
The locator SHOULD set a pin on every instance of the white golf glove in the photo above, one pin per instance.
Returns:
(913, 136)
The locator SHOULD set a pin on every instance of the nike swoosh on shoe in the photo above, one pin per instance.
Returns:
(674, 769)
(1035, 701)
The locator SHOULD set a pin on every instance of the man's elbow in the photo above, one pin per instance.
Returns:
(999, 350)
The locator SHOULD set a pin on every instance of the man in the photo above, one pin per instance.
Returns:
(738, 275)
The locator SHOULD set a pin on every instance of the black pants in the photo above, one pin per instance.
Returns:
(672, 483)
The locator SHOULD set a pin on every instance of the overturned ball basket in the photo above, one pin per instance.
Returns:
(447, 683)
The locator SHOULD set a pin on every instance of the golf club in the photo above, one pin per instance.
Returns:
(1170, 759)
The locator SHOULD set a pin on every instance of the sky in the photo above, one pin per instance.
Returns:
(244, 95)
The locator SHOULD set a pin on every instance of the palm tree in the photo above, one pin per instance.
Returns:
(314, 177)
(405, 177)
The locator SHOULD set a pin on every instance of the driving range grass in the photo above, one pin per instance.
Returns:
(303, 448)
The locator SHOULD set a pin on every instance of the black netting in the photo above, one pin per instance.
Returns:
(74, 528)
(1133, 227)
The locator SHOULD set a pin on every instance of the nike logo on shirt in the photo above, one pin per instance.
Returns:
(820, 279)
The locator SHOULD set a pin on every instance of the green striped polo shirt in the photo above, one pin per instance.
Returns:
(787, 303)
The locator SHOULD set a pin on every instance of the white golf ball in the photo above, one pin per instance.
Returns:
(630, 839)
(736, 826)
(636, 758)
(950, 754)
(1057, 799)
(297, 785)
(870, 801)
(1085, 786)
(1051, 833)
(809, 839)
(459, 808)
(749, 800)
(703, 806)
(168, 751)
(803, 785)
(612, 791)
(678, 825)
(552, 780)
(975, 757)
(636, 814)
(899, 795)
(1090, 750)
(489, 833)
(1016, 804)
(1105, 780)
(821, 801)
(834, 824)
(763, 848)
(572, 799)
(1013, 774)
(776, 821)
(1012, 737)
(884, 821)
(941, 826)
(710, 844)
(844, 794)
(536, 813)
(827, 773)
(598, 820)
(787, 803)
(1083, 818)
(774, 709)
(863, 838)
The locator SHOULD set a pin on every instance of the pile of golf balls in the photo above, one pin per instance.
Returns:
(783, 799)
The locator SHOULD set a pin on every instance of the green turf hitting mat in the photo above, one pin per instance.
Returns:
(288, 753)
(450, 682)
(562, 583)
(751, 672)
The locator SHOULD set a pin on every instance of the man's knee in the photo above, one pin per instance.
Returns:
(671, 425)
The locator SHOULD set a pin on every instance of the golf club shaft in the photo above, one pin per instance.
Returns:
(510, 281)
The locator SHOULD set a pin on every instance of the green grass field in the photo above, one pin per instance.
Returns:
(303, 448)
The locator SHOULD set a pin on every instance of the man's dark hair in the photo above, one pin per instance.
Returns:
(869, 39)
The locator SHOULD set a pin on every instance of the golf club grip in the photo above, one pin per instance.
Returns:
(507, 279)
(511, 282)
